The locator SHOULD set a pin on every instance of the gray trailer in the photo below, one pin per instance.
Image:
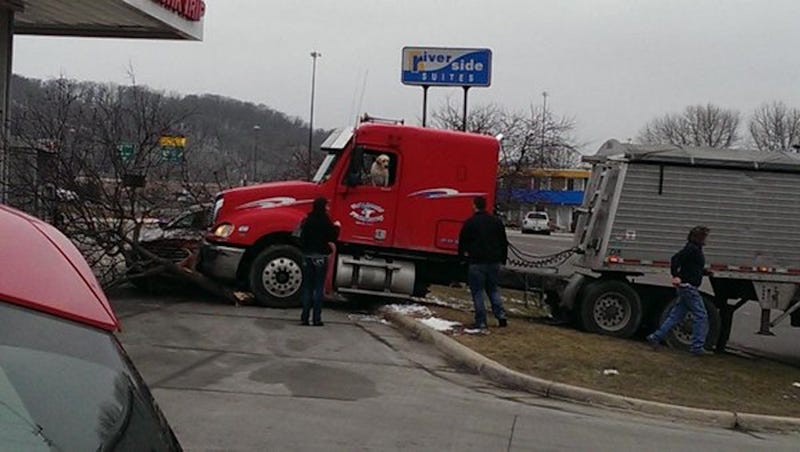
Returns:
(639, 205)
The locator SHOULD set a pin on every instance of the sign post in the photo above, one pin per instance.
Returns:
(441, 66)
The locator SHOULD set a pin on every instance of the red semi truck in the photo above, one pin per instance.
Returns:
(400, 224)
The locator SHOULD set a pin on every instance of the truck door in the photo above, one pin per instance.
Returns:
(366, 198)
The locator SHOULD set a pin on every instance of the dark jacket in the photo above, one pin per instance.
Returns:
(483, 240)
(316, 232)
(689, 264)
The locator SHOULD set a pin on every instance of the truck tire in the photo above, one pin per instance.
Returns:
(611, 308)
(276, 277)
(680, 337)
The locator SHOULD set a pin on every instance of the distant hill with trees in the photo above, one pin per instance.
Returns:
(221, 132)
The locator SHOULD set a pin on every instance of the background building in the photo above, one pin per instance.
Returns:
(559, 192)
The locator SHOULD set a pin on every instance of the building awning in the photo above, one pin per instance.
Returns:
(547, 197)
(135, 19)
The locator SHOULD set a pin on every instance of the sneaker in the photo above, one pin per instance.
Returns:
(655, 344)
(304, 323)
(320, 323)
(503, 323)
(478, 326)
(702, 352)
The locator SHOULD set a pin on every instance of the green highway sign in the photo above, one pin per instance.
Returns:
(126, 151)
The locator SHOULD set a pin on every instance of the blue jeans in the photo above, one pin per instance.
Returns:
(315, 267)
(483, 278)
(689, 300)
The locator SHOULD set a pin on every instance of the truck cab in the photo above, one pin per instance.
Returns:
(401, 194)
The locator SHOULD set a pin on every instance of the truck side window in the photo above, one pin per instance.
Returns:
(378, 168)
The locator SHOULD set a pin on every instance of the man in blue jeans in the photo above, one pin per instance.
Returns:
(484, 243)
(688, 268)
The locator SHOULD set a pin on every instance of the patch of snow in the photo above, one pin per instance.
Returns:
(367, 318)
(609, 372)
(796, 384)
(474, 331)
(440, 324)
(410, 309)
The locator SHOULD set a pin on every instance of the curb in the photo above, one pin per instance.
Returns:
(494, 371)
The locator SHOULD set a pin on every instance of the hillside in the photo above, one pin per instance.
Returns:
(220, 131)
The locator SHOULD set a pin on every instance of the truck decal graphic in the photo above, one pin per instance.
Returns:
(271, 203)
(366, 212)
(439, 193)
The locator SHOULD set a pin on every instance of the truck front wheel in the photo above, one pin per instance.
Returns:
(276, 277)
(611, 308)
(680, 336)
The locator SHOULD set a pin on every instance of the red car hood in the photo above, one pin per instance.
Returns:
(273, 194)
(42, 270)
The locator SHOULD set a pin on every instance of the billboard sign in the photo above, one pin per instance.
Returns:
(440, 66)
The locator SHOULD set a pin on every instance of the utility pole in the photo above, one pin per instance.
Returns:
(544, 116)
(256, 128)
(314, 56)
(544, 126)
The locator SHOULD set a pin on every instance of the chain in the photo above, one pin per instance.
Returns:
(526, 260)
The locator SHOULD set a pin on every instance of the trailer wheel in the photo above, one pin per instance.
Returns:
(276, 277)
(611, 308)
(681, 335)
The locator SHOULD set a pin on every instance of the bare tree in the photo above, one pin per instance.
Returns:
(99, 172)
(485, 119)
(698, 125)
(775, 127)
(532, 139)
(295, 168)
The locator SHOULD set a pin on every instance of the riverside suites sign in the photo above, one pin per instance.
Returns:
(193, 10)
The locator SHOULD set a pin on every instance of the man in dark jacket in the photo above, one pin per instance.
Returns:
(688, 268)
(484, 243)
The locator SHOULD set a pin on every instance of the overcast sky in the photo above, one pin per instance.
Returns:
(610, 64)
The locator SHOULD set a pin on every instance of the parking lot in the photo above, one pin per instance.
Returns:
(247, 378)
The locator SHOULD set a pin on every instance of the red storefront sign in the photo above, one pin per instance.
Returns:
(193, 10)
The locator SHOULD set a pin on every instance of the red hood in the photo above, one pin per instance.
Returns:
(42, 270)
(273, 194)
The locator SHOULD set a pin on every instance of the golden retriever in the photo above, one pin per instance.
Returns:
(379, 172)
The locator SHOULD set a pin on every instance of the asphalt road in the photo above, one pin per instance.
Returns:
(247, 378)
(784, 346)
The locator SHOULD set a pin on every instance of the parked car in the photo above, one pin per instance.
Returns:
(536, 222)
(66, 382)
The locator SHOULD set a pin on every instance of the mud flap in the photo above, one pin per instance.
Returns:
(570, 293)
(329, 289)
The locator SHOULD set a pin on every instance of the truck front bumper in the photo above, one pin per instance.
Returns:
(219, 262)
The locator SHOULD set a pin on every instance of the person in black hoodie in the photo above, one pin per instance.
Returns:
(687, 268)
(484, 243)
(316, 232)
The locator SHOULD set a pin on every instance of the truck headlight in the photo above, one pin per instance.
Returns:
(224, 230)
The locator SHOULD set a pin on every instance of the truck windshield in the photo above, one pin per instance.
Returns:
(326, 167)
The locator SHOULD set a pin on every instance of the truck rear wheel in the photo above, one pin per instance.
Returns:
(680, 336)
(276, 277)
(611, 308)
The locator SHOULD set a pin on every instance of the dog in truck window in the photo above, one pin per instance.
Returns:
(379, 172)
